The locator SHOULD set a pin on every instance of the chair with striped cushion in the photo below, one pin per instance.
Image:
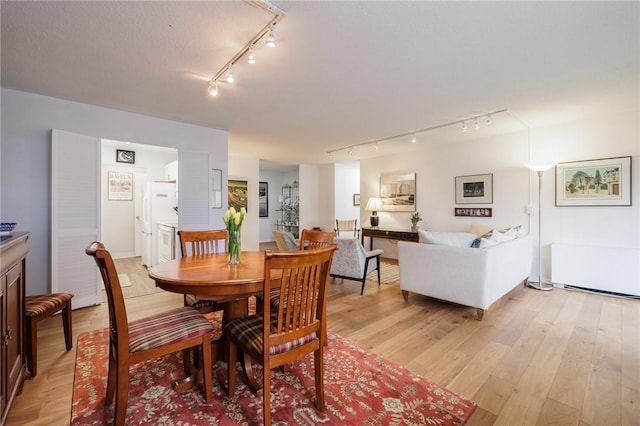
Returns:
(195, 243)
(38, 307)
(178, 329)
(275, 338)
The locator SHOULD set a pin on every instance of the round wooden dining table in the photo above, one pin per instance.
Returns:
(208, 276)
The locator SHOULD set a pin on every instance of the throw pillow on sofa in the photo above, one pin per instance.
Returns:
(457, 239)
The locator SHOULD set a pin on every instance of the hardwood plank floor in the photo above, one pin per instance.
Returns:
(538, 358)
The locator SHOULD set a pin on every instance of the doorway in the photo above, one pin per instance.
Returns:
(123, 215)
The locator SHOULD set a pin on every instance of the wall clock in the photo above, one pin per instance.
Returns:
(123, 156)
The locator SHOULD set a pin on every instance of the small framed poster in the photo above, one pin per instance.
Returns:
(263, 199)
(120, 186)
(123, 156)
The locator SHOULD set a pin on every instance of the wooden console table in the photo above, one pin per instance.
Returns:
(390, 234)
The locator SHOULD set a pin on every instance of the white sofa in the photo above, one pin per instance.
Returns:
(475, 277)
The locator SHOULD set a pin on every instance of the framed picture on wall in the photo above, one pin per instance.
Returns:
(237, 191)
(120, 186)
(124, 156)
(356, 199)
(474, 189)
(398, 192)
(263, 199)
(603, 182)
(474, 211)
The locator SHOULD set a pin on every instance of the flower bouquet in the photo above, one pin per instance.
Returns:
(233, 222)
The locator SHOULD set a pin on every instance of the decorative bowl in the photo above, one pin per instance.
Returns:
(6, 227)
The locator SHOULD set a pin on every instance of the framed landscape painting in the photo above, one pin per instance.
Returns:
(603, 182)
(237, 194)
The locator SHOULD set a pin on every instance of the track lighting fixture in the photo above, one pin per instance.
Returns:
(213, 88)
(271, 40)
(225, 74)
(475, 119)
(230, 78)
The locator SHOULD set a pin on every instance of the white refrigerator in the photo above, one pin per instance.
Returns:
(159, 204)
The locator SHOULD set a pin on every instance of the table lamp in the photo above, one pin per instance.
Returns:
(373, 205)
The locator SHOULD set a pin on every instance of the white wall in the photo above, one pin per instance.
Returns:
(326, 197)
(309, 202)
(347, 183)
(436, 168)
(27, 120)
(515, 187)
(268, 224)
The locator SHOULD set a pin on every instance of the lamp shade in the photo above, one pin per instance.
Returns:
(539, 167)
(374, 204)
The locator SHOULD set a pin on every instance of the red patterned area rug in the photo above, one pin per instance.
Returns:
(361, 388)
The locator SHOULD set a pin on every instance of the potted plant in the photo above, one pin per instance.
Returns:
(415, 218)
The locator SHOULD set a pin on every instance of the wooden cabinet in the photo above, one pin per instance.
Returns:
(13, 369)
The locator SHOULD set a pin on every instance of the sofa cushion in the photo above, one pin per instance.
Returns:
(479, 228)
(456, 239)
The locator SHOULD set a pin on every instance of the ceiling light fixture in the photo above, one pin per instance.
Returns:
(230, 78)
(477, 125)
(271, 40)
(278, 15)
(413, 133)
(213, 88)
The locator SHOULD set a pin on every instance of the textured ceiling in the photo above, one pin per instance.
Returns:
(343, 73)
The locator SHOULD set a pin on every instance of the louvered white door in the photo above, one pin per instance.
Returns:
(194, 193)
(75, 215)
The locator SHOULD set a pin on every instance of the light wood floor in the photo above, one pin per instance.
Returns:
(538, 358)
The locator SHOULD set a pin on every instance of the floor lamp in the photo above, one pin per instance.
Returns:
(539, 169)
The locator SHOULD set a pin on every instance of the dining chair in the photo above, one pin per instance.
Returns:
(285, 241)
(344, 228)
(194, 243)
(276, 338)
(311, 239)
(130, 343)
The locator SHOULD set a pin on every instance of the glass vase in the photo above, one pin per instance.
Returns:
(234, 247)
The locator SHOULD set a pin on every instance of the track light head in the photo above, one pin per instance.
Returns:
(213, 88)
(230, 78)
(271, 40)
(252, 57)
(413, 139)
(477, 124)
(464, 126)
(489, 121)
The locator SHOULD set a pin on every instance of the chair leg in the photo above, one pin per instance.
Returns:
(206, 368)
(364, 275)
(378, 268)
(232, 355)
(266, 396)
(122, 393)
(67, 324)
(32, 345)
(319, 374)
